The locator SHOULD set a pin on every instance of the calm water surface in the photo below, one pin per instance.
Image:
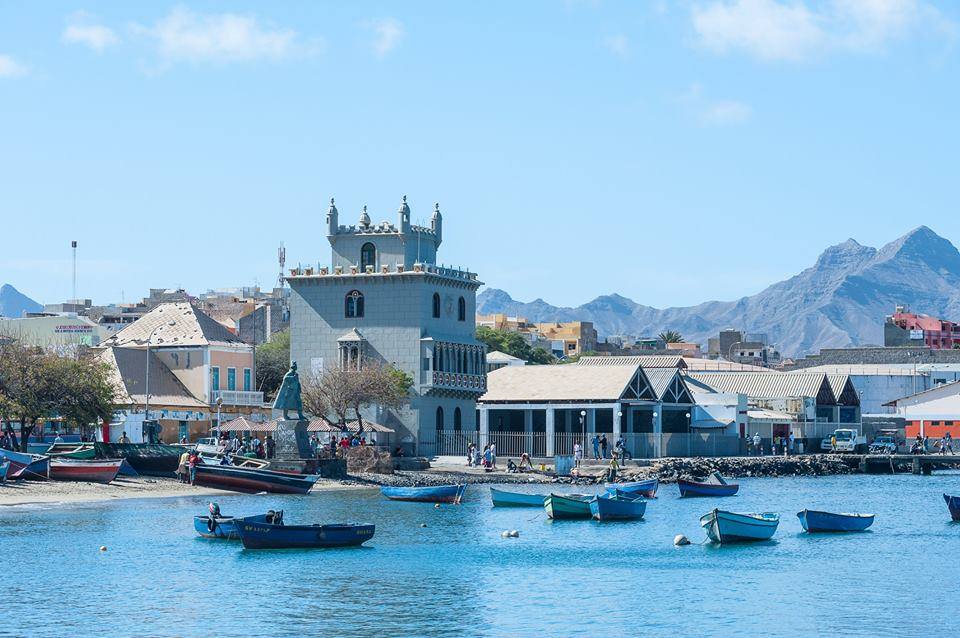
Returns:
(458, 577)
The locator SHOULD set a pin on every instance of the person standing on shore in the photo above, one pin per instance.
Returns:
(470, 449)
(577, 454)
(182, 468)
(192, 462)
(756, 444)
(791, 443)
(493, 455)
(603, 446)
(124, 438)
(614, 467)
(596, 446)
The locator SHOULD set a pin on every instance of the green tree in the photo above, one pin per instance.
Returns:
(514, 344)
(339, 391)
(273, 361)
(670, 336)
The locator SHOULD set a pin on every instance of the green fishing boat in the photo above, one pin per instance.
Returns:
(83, 451)
(568, 506)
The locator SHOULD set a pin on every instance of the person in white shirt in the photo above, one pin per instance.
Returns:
(577, 454)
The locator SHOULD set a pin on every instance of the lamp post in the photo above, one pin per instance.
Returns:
(658, 436)
(219, 403)
(583, 431)
(689, 433)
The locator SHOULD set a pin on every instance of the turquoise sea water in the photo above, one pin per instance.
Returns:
(459, 577)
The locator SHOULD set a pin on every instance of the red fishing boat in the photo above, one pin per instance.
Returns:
(96, 471)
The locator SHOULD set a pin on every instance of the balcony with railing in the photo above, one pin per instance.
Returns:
(237, 397)
(434, 379)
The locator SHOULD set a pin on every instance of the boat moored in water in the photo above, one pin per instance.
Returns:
(25, 466)
(731, 527)
(620, 506)
(427, 494)
(251, 481)
(215, 525)
(953, 504)
(503, 498)
(816, 521)
(715, 485)
(647, 489)
(94, 471)
(568, 506)
(262, 535)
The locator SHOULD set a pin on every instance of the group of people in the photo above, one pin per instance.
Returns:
(251, 446)
(345, 441)
(785, 445)
(486, 459)
(921, 444)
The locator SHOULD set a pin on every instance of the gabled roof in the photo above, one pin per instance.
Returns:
(566, 382)
(501, 357)
(843, 389)
(127, 373)
(174, 324)
(351, 336)
(645, 361)
(768, 385)
(668, 385)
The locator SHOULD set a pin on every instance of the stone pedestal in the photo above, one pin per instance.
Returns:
(292, 439)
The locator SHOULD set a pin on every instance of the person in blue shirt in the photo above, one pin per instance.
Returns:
(596, 446)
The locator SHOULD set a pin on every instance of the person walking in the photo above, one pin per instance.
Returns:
(603, 446)
(493, 456)
(596, 447)
(791, 443)
(577, 454)
(756, 444)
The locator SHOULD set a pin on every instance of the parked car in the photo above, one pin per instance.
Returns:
(847, 440)
(884, 445)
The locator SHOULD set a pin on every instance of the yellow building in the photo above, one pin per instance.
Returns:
(570, 337)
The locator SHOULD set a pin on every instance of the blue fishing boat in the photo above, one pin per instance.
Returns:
(620, 506)
(647, 489)
(953, 504)
(715, 485)
(262, 535)
(31, 467)
(814, 521)
(429, 494)
(503, 498)
(4, 466)
(215, 525)
(730, 527)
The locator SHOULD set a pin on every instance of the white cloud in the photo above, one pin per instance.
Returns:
(96, 36)
(221, 37)
(795, 30)
(618, 44)
(713, 112)
(387, 35)
(10, 68)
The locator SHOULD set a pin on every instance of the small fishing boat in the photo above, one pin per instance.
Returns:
(251, 481)
(148, 459)
(94, 471)
(30, 467)
(715, 485)
(429, 494)
(619, 506)
(503, 498)
(4, 466)
(263, 535)
(72, 451)
(647, 489)
(953, 504)
(814, 521)
(568, 506)
(215, 525)
(730, 527)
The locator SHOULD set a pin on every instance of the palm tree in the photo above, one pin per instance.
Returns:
(670, 336)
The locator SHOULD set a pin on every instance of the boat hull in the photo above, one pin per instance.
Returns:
(72, 451)
(730, 527)
(694, 489)
(814, 521)
(149, 459)
(261, 535)
(223, 527)
(29, 467)
(430, 494)
(251, 481)
(565, 508)
(617, 508)
(4, 466)
(84, 470)
(502, 498)
(953, 504)
(647, 489)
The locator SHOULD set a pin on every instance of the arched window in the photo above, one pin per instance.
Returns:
(439, 418)
(368, 256)
(462, 309)
(436, 305)
(456, 420)
(353, 304)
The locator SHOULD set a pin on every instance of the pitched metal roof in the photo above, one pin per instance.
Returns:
(645, 361)
(563, 382)
(127, 373)
(174, 324)
(496, 356)
(764, 384)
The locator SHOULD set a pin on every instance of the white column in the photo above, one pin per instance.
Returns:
(658, 430)
(550, 429)
(616, 423)
(484, 426)
(528, 431)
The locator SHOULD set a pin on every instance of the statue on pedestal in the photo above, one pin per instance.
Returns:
(288, 397)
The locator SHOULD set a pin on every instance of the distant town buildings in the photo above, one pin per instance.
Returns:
(739, 347)
(904, 328)
(562, 339)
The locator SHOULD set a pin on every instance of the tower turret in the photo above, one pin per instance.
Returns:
(436, 223)
(403, 217)
(364, 218)
(333, 224)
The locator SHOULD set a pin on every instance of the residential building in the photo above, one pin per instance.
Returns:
(251, 314)
(904, 328)
(385, 299)
(497, 360)
(569, 339)
(747, 348)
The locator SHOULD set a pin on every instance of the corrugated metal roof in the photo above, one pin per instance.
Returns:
(721, 365)
(766, 385)
(496, 356)
(518, 384)
(770, 415)
(645, 361)
(174, 324)
(660, 379)
(862, 369)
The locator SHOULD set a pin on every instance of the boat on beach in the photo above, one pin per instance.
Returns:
(72, 451)
(251, 481)
(815, 521)
(224, 527)
(93, 471)
(428, 494)
(715, 485)
(503, 498)
(150, 459)
(568, 506)
(730, 527)
(620, 506)
(4, 466)
(953, 504)
(647, 489)
(24, 466)
(262, 535)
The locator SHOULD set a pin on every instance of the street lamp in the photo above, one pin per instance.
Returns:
(219, 403)
(583, 430)
(658, 440)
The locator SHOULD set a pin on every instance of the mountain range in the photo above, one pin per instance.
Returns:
(14, 303)
(841, 300)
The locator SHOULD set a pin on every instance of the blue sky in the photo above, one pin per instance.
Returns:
(673, 152)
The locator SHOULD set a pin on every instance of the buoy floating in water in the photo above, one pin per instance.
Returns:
(680, 540)
(514, 534)
(436, 506)
(505, 534)
(423, 524)
(103, 548)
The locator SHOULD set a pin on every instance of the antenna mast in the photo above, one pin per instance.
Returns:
(73, 289)
(282, 258)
